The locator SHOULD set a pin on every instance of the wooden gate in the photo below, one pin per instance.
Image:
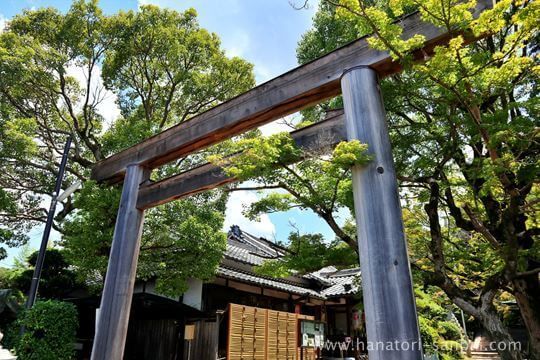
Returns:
(262, 334)
(205, 341)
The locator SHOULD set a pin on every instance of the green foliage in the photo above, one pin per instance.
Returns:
(327, 33)
(314, 181)
(464, 128)
(50, 328)
(469, 259)
(175, 237)
(163, 68)
(348, 154)
(9, 302)
(173, 251)
(6, 278)
(18, 136)
(440, 332)
(270, 203)
(166, 68)
(38, 108)
(307, 253)
(10, 238)
(88, 235)
(57, 279)
(259, 156)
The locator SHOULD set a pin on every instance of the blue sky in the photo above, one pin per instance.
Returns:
(264, 32)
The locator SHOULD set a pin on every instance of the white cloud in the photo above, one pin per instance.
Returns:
(3, 22)
(263, 73)
(144, 2)
(274, 128)
(233, 216)
(279, 125)
(237, 44)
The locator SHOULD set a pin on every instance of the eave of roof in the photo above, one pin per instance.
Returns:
(235, 274)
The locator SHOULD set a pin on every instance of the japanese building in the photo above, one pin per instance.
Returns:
(199, 325)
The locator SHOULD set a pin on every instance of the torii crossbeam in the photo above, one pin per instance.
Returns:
(353, 71)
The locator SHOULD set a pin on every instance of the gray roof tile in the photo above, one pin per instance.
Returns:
(248, 249)
(272, 283)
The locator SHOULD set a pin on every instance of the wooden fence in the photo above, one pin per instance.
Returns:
(262, 334)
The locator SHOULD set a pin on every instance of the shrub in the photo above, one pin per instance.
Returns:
(50, 328)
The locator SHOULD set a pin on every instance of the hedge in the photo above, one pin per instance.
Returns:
(50, 329)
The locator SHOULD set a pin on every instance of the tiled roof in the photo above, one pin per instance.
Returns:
(247, 249)
(269, 282)
(244, 255)
(343, 284)
(345, 272)
(319, 275)
(244, 247)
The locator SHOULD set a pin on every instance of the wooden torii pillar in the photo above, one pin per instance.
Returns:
(391, 319)
(352, 70)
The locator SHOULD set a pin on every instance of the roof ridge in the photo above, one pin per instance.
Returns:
(238, 233)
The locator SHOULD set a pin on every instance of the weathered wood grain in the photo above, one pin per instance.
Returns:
(386, 275)
(111, 329)
(313, 138)
(301, 87)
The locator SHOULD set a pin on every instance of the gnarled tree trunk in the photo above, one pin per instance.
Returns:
(527, 294)
(498, 332)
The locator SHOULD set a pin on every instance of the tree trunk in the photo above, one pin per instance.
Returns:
(527, 294)
(504, 343)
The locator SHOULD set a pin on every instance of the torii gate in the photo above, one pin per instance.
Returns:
(353, 71)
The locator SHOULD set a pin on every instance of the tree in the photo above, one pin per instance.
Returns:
(473, 158)
(163, 68)
(319, 182)
(174, 240)
(9, 304)
(464, 130)
(6, 278)
(439, 329)
(307, 253)
(57, 278)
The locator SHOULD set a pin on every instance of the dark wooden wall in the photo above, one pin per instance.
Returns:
(218, 297)
(152, 339)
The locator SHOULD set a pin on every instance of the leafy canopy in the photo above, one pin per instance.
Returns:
(304, 179)
(58, 73)
(57, 279)
(464, 127)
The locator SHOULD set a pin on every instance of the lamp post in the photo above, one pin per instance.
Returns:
(48, 225)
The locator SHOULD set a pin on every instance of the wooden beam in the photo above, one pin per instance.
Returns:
(301, 87)
(314, 138)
